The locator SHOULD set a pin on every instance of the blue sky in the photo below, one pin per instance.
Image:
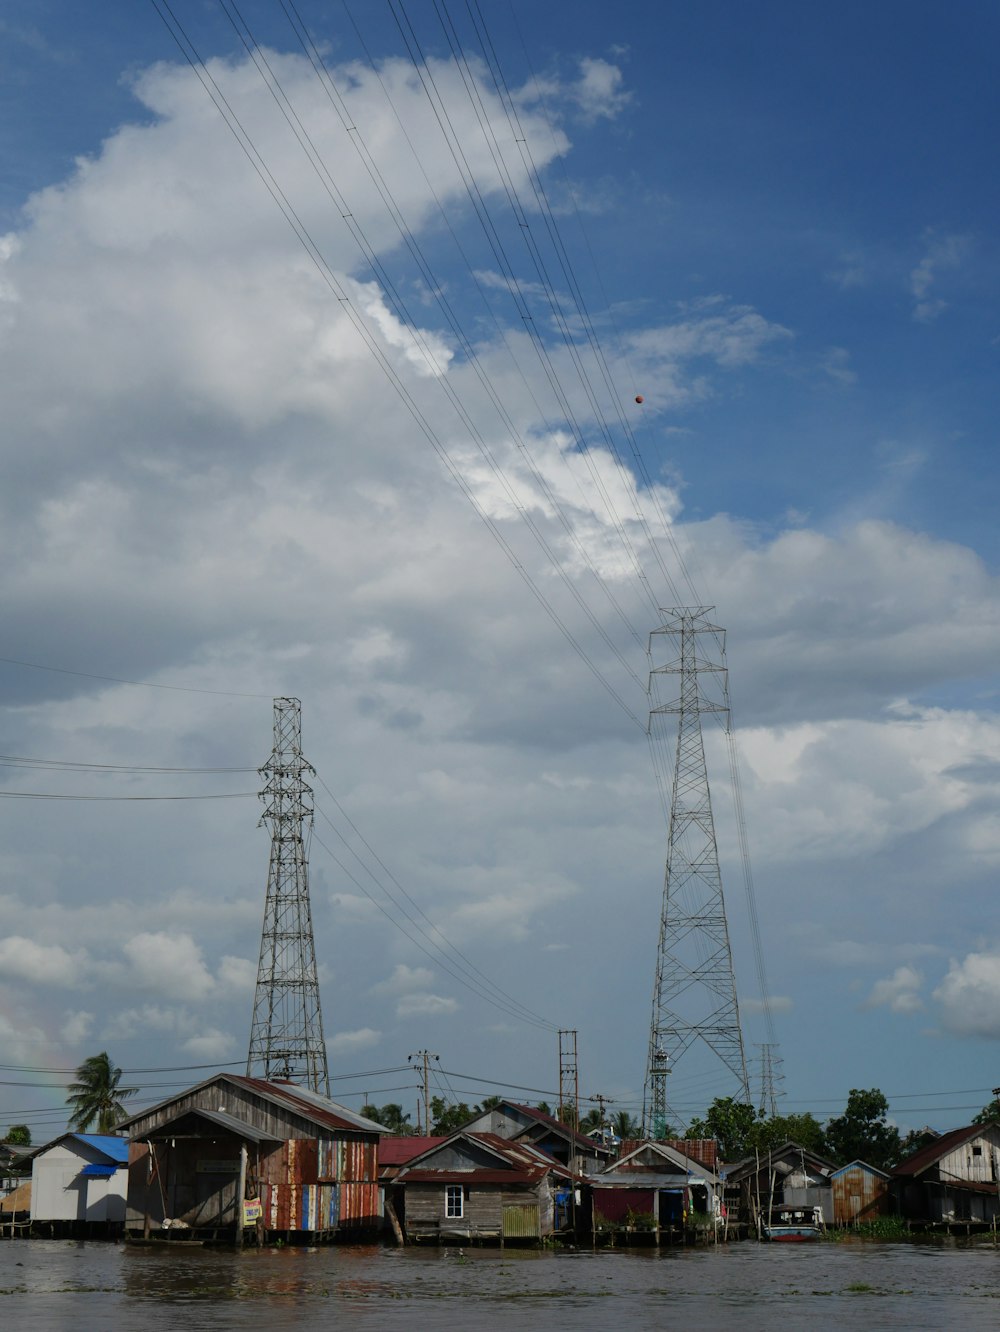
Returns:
(782, 220)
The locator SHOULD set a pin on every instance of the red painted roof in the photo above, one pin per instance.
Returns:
(397, 1151)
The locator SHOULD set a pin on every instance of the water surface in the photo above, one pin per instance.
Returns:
(49, 1285)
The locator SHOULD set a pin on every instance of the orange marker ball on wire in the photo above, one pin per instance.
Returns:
(639, 398)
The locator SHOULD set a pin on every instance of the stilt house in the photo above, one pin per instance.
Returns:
(241, 1157)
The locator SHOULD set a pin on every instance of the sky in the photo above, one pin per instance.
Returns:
(322, 328)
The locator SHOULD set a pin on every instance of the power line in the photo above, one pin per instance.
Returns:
(140, 684)
(47, 795)
(19, 761)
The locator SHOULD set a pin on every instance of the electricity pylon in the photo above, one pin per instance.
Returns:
(286, 1036)
(694, 995)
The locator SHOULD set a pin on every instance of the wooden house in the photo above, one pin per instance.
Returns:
(525, 1124)
(78, 1184)
(479, 1186)
(654, 1188)
(861, 1192)
(235, 1153)
(786, 1176)
(953, 1179)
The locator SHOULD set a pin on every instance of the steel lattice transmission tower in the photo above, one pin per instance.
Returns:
(694, 995)
(286, 1036)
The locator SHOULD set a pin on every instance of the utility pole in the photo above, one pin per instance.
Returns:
(569, 1079)
(424, 1056)
(602, 1101)
(694, 992)
(286, 1033)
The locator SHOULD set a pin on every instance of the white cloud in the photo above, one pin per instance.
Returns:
(40, 964)
(169, 964)
(209, 1045)
(776, 1003)
(969, 996)
(405, 978)
(77, 1027)
(942, 253)
(348, 1042)
(425, 1005)
(238, 974)
(899, 992)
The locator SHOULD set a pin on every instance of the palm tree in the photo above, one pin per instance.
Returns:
(625, 1126)
(97, 1095)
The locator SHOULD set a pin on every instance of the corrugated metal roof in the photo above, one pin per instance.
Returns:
(503, 1177)
(397, 1151)
(860, 1165)
(319, 1108)
(927, 1156)
(563, 1130)
(220, 1119)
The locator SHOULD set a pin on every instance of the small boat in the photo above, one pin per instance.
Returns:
(793, 1225)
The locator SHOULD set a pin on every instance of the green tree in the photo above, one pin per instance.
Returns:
(544, 1106)
(804, 1129)
(18, 1135)
(730, 1123)
(97, 1094)
(593, 1119)
(447, 1118)
(861, 1132)
(990, 1114)
(391, 1116)
(625, 1126)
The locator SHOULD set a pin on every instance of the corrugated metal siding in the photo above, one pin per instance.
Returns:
(520, 1221)
(858, 1195)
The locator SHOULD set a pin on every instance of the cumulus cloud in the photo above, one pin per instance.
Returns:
(349, 1042)
(41, 964)
(209, 1045)
(170, 964)
(899, 992)
(969, 996)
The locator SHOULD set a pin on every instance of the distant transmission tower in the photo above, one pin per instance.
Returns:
(286, 1037)
(770, 1079)
(694, 995)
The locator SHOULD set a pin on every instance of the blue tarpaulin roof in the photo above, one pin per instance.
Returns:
(115, 1149)
(98, 1170)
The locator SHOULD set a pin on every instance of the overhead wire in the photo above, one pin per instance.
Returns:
(389, 286)
(431, 950)
(330, 279)
(464, 962)
(139, 684)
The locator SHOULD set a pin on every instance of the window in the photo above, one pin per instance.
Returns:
(977, 1151)
(453, 1200)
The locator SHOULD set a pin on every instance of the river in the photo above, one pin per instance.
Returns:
(51, 1285)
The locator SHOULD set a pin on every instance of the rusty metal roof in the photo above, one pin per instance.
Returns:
(524, 1163)
(399, 1151)
(319, 1110)
(927, 1156)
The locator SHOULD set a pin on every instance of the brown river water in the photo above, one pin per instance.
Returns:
(48, 1284)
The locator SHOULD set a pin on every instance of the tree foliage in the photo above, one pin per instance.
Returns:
(97, 1094)
(18, 1135)
(446, 1118)
(861, 1132)
(391, 1116)
(730, 1123)
(990, 1114)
